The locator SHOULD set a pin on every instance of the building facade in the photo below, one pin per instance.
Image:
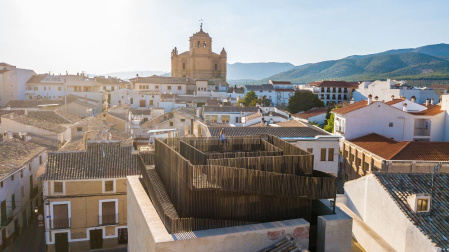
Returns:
(331, 92)
(12, 83)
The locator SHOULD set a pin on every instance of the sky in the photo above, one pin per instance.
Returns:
(104, 36)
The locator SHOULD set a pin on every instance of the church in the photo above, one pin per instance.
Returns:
(206, 68)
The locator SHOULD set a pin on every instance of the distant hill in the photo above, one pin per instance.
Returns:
(427, 62)
(255, 71)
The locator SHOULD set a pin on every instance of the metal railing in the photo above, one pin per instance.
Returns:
(60, 223)
(110, 219)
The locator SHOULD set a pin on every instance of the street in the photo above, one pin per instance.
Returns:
(31, 239)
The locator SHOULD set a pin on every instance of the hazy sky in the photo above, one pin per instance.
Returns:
(99, 36)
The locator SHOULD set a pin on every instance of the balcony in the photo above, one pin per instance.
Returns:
(9, 216)
(60, 223)
(33, 192)
(110, 219)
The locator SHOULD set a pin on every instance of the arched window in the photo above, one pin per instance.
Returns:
(204, 44)
(199, 44)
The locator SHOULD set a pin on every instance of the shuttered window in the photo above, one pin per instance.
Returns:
(323, 154)
(330, 154)
(108, 212)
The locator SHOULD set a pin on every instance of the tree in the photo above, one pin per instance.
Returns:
(250, 99)
(303, 101)
(264, 101)
(329, 125)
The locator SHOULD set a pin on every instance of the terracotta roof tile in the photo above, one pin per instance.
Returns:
(426, 151)
(291, 123)
(334, 84)
(311, 113)
(431, 110)
(350, 108)
(276, 131)
(379, 145)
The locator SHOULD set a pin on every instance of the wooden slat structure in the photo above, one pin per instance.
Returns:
(201, 183)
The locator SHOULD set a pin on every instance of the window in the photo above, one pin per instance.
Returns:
(143, 103)
(29, 166)
(157, 86)
(323, 154)
(21, 174)
(131, 101)
(112, 88)
(13, 201)
(238, 119)
(346, 177)
(171, 123)
(183, 66)
(58, 187)
(12, 177)
(45, 88)
(1, 184)
(36, 88)
(40, 159)
(330, 154)
(31, 97)
(122, 235)
(59, 88)
(108, 214)
(199, 44)
(390, 124)
(422, 205)
(109, 186)
(225, 118)
(204, 44)
(79, 129)
(60, 216)
(183, 120)
(151, 102)
(169, 87)
(310, 150)
(358, 162)
(23, 192)
(216, 67)
(179, 88)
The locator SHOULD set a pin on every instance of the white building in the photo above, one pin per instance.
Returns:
(163, 85)
(266, 91)
(317, 115)
(12, 83)
(227, 114)
(385, 89)
(398, 119)
(331, 92)
(135, 99)
(20, 193)
(399, 212)
(284, 90)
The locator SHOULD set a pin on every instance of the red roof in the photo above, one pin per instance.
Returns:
(379, 145)
(350, 108)
(334, 84)
(311, 113)
(431, 110)
(443, 86)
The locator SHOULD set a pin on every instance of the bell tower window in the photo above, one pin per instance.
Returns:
(204, 44)
(199, 44)
(183, 66)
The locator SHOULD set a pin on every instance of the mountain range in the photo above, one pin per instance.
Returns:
(429, 62)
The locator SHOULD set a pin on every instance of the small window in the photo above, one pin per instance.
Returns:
(179, 88)
(59, 88)
(216, 67)
(109, 186)
(131, 101)
(323, 154)
(310, 150)
(199, 44)
(13, 201)
(29, 166)
(151, 102)
(157, 86)
(23, 192)
(12, 177)
(330, 154)
(390, 124)
(183, 120)
(171, 123)
(1, 184)
(183, 66)
(422, 205)
(169, 87)
(40, 159)
(45, 88)
(21, 174)
(112, 88)
(79, 129)
(204, 44)
(58, 187)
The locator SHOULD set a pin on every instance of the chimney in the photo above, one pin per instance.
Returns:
(370, 97)
(351, 101)
(404, 107)
(427, 102)
(431, 101)
(376, 98)
(392, 97)
(26, 112)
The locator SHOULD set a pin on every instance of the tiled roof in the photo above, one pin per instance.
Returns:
(439, 86)
(426, 151)
(291, 123)
(37, 78)
(212, 102)
(160, 80)
(434, 225)
(15, 153)
(72, 98)
(285, 90)
(50, 144)
(263, 87)
(431, 110)
(140, 111)
(31, 103)
(100, 160)
(281, 82)
(43, 124)
(120, 115)
(334, 84)
(276, 131)
(379, 145)
(192, 98)
(253, 116)
(311, 113)
(350, 108)
(229, 109)
(77, 145)
(187, 111)
(56, 117)
(237, 90)
(111, 81)
(394, 101)
(166, 96)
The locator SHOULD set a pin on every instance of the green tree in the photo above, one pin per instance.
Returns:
(250, 99)
(303, 101)
(329, 125)
(264, 101)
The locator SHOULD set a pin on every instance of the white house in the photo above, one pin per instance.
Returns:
(135, 99)
(317, 115)
(399, 212)
(398, 119)
(20, 192)
(12, 83)
(227, 114)
(284, 90)
(385, 89)
(331, 91)
(163, 85)
(265, 90)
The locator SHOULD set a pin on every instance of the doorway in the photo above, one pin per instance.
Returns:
(61, 242)
(96, 239)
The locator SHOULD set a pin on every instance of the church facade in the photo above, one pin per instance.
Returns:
(206, 68)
